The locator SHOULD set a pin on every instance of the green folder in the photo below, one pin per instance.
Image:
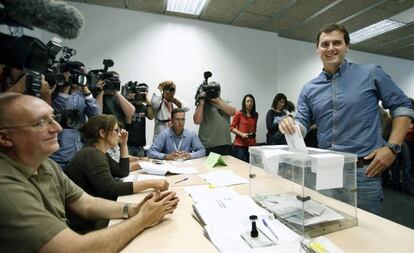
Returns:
(214, 159)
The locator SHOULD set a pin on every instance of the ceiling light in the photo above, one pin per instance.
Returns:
(192, 7)
(373, 30)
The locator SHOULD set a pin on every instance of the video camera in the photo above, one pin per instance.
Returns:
(140, 91)
(54, 73)
(207, 90)
(27, 53)
(111, 78)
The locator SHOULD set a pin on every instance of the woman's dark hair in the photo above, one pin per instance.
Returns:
(90, 131)
(278, 97)
(290, 106)
(253, 113)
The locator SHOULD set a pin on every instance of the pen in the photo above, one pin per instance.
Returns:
(270, 229)
(182, 180)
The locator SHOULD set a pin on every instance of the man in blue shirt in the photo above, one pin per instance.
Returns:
(177, 142)
(76, 104)
(343, 103)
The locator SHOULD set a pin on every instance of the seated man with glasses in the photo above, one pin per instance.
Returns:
(36, 193)
(177, 143)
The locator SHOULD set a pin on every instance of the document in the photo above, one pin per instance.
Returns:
(164, 168)
(329, 170)
(201, 193)
(135, 176)
(220, 178)
(295, 141)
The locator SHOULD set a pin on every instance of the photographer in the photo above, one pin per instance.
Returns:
(137, 95)
(111, 101)
(163, 101)
(75, 103)
(213, 115)
(14, 80)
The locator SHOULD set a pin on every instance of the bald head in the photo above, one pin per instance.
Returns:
(15, 107)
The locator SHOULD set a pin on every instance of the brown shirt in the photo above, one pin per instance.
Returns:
(32, 207)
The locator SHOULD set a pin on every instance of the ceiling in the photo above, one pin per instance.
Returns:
(298, 19)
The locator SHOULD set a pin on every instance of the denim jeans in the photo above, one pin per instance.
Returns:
(369, 192)
(241, 153)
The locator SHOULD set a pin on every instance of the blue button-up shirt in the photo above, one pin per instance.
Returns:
(344, 107)
(69, 139)
(168, 142)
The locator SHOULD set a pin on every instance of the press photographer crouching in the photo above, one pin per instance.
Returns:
(137, 94)
(74, 101)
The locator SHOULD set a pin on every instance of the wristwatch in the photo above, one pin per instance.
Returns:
(395, 148)
(125, 214)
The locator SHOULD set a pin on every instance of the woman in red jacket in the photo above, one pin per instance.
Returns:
(244, 126)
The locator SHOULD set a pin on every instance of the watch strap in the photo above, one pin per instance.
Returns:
(125, 209)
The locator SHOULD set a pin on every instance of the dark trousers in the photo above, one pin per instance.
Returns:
(241, 153)
(222, 150)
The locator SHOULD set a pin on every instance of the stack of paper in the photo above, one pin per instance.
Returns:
(135, 176)
(164, 168)
(223, 178)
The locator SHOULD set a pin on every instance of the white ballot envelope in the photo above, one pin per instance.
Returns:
(295, 141)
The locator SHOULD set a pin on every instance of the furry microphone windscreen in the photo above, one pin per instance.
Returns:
(54, 16)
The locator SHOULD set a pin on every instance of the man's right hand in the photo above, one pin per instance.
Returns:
(155, 208)
(160, 184)
(287, 125)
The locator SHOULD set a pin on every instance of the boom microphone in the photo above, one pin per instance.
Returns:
(54, 16)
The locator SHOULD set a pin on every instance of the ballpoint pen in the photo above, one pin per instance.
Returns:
(182, 180)
(270, 229)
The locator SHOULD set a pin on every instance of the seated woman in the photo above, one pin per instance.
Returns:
(97, 173)
(244, 126)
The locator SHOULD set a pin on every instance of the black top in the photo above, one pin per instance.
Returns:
(136, 130)
(273, 136)
(111, 106)
(96, 174)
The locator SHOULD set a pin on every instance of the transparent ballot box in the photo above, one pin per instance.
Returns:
(313, 193)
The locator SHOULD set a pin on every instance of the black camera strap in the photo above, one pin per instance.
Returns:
(159, 109)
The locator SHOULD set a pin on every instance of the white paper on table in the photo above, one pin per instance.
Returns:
(329, 170)
(201, 193)
(162, 169)
(223, 178)
(295, 141)
(237, 208)
(226, 237)
(270, 159)
(135, 176)
(327, 244)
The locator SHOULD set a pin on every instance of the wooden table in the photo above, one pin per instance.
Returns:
(180, 232)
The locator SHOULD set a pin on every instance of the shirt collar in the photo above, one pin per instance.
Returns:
(25, 170)
(172, 134)
(342, 68)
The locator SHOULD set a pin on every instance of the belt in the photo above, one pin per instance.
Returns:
(361, 162)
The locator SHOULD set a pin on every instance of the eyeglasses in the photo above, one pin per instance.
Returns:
(44, 122)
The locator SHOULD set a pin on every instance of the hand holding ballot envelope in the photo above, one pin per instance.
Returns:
(293, 135)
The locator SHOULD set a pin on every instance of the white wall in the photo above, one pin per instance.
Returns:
(152, 48)
(298, 62)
